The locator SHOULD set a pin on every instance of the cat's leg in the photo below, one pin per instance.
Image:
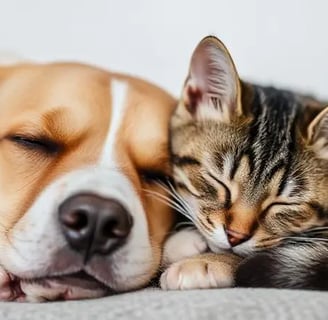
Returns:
(208, 270)
(182, 244)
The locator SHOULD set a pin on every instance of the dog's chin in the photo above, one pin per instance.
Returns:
(75, 286)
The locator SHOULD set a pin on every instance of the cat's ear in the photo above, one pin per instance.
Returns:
(212, 89)
(317, 134)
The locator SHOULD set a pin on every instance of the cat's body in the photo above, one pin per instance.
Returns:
(251, 170)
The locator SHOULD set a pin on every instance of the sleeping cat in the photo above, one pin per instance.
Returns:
(250, 168)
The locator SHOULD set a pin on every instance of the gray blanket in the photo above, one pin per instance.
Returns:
(153, 304)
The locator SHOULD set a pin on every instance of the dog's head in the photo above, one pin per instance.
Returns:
(78, 148)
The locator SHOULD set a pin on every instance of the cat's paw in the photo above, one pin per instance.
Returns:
(197, 273)
(183, 244)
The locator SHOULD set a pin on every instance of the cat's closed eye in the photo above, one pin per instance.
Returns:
(223, 192)
(278, 205)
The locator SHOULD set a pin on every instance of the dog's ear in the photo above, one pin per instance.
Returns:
(212, 88)
(317, 134)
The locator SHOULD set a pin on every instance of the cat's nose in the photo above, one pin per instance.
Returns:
(235, 238)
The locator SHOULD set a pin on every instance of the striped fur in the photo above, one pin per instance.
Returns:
(251, 162)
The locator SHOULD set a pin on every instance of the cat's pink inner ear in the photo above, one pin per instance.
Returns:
(318, 134)
(213, 80)
(194, 96)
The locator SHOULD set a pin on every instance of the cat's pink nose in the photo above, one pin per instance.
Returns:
(235, 237)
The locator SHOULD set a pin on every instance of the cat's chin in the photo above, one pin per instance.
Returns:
(218, 243)
(245, 249)
(219, 248)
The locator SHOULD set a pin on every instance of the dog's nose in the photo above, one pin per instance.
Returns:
(93, 224)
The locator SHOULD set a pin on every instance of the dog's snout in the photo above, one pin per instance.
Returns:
(93, 224)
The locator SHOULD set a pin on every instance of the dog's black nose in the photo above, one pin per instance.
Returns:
(93, 224)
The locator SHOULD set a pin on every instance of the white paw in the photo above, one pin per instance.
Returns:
(183, 244)
(197, 274)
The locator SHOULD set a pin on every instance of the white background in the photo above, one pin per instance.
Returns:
(281, 42)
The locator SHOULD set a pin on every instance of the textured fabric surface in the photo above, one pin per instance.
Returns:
(151, 304)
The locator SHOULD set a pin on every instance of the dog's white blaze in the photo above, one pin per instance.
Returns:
(118, 90)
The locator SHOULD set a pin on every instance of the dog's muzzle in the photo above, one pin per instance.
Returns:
(93, 224)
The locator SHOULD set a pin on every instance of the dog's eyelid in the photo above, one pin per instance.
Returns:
(36, 142)
(151, 176)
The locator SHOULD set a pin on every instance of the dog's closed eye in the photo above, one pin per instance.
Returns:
(39, 144)
(153, 176)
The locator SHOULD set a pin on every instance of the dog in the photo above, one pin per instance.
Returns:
(81, 150)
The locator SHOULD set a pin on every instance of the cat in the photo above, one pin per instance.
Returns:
(250, 166)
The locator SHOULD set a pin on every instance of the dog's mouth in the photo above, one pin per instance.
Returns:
(74, 286)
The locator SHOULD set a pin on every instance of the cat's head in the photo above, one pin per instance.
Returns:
(250, 162)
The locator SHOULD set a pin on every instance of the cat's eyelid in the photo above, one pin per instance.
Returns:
(279, 203)
(227, 190)
(219, 181)
(184, 187)
(181, 161)
(185, 181)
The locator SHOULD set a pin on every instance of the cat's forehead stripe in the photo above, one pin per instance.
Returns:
(271, 141)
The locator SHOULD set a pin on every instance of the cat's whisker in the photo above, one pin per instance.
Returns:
(172, 192)
(177, 195)
(167, 200)
(173, 204)
(160, 195)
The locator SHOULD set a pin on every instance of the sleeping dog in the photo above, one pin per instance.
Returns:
(79, 148)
